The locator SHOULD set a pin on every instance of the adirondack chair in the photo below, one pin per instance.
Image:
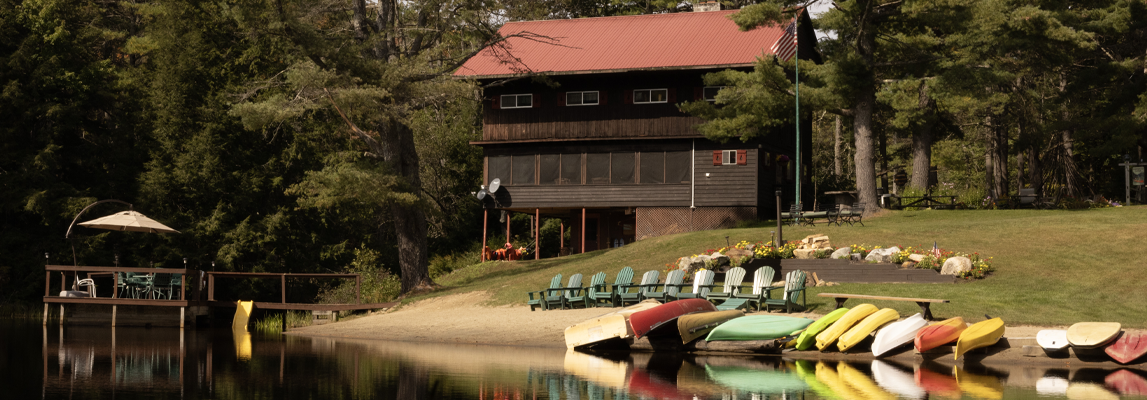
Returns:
(702, 284)
(794, 286)
(753, 297)
(647, 281)
(624, 277)
(561, 296)
(733, 278)
(595, 290)
(671, 287)
(555, 283)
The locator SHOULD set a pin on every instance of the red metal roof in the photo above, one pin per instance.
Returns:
(657, 41)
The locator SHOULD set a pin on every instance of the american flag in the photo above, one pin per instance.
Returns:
(786, 46)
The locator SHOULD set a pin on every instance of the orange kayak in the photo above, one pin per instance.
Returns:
(939, 334)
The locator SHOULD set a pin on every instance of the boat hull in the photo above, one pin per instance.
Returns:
(614, 325)
(698, 325)
(647, 320)
(1128, 347)
(758, 327)
(1052, 339)
(1090, 335)
(866, 326)
(807, 339)
(939, 334)
(843, 324)
(897, 333)
(980, 334)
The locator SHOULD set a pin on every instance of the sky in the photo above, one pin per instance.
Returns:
(815, 9)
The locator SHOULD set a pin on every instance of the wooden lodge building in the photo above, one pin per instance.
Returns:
(606, 148)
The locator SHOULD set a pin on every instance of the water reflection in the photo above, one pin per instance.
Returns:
(128, 363)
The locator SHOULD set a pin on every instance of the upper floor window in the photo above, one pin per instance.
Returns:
(582, 98)
(646, 96)
(517, 101)
(709, 93)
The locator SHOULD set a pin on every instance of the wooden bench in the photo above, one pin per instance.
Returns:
(923, 303)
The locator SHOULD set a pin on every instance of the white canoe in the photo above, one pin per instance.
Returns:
(897, 334)
(614, 325)
(1052, 339)
(1051, 386)
(1089, 335)
(894, 380)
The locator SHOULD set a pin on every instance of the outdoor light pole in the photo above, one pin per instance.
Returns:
(797, 75)
(778, 241)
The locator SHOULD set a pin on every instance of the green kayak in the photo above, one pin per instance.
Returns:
(807, 339)
(755, 380)
(758, 327)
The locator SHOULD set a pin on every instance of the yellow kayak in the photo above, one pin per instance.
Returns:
(842, 325)
(978, 386)
(865, 327)
(980, 334)
(831, 379)
(862, 383)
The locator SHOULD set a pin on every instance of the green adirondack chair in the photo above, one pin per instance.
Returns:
(752, 297)
(671, 287)
(561, 296)
(702, 284)
(624, 277)
(733, 278)
(794, 287)
(596, 285)
(556, 282)
(627, 294)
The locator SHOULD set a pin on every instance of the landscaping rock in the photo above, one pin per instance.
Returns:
(882, 255)
(719, 259)
(840, 253)
(908, 265)
(855, 257)
(684, 263)
(804, 254)
(916, 257)
(956, 265)
(735, 254)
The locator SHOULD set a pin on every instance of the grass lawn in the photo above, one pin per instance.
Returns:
(1052, 267)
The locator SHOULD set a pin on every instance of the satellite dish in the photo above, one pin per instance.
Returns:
(495, 184)
(481, 194)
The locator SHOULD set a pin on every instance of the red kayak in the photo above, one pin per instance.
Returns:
(648, 320)
(1126, 383)
(936, 383)
(939, 334)
(1128, 347)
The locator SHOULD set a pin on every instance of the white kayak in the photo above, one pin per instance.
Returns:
(897, 381)
(1052, 339)
(897, 334)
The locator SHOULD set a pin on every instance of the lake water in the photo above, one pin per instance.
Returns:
(138, 363)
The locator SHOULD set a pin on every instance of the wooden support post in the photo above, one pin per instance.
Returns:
(61, 316)
(47, 283)
(45, 315)
(114, 312)
(583, 230)
(115, 285)
(537, 236)
(508, 226)
(183, 285)
(358, 289)
(485, 219)
(283, 280)
(283, 328)
(182, 316)
(561, 236)
(210, 287)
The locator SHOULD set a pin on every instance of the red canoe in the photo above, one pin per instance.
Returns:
(647, 320)
(939, 334)
(1126, 383)
(1128, 347)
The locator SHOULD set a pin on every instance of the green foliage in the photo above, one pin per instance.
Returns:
(273, 323)
(378, 285)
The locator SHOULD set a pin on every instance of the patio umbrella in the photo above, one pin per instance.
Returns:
(128, 221)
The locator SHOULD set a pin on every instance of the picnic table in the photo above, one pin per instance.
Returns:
(923, 303)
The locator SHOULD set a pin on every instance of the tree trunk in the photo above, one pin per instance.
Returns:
(836, 168)
(409, 220)
(1069, 163)
(1000, 161)
(865, 104)
(989, 185)
(922, 143)
(1035, 170)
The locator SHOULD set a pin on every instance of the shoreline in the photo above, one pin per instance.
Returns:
(462, 319)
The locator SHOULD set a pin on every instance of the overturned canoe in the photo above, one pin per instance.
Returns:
(647, 320)
(980, 334)
(758, 327)
(843, 324)
(808, 338)
(1128, 347)
(1090, 335)
(614, 325)
(939, 334)
(897, 333)
(698, 325)
(866, 326)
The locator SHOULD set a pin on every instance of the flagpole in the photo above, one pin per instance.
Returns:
(796, 61)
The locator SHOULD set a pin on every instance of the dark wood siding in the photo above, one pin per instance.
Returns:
(726, 185)
(594, 196)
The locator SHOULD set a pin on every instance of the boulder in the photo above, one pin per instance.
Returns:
(804, 254)
(882, 255)
(719, 259)
(684, 263)
(840, 253)
(916, 257)
(855, 257)
(956, 265)
(908, 265)
(736, 253)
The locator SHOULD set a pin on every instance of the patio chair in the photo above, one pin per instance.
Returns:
(131, 283)
(596, 286)
(560, 297)
(176, 283)
(702, 284)
(732, 284)
(556, 282)
(671, 287)
(625, 294)
(160, 286)
(794, 287)
(624, 277)
(762, 279)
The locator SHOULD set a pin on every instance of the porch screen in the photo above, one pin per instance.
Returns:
(597, 168)
(548, 165)
(622, 168)
(499, 167)
(677, 167)
(652, 168)
(524, 170)
(571, 169)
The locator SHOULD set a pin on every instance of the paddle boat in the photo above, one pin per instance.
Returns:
(1090, 335)
(1052, 339)
(1128, 347)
